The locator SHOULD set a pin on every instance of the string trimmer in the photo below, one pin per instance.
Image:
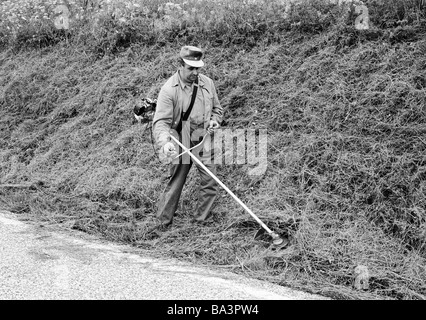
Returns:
(277, 241)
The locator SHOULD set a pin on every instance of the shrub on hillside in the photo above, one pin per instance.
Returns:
(393, 13)
(112, 25)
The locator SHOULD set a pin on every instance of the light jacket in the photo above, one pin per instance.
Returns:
(170, 105)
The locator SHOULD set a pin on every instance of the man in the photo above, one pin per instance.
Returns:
(205, 116)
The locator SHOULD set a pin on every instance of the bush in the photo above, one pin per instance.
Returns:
(115, 25)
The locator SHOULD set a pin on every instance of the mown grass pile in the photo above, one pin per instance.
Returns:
(346, 120)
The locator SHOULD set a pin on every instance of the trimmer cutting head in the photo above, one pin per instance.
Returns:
(278, 242)
(276, 239)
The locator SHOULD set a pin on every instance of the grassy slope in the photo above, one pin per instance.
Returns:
(346, 156)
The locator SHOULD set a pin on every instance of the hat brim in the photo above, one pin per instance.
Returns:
(194, 63)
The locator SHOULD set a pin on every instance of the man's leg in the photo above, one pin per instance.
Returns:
(207, 193)
(169, 200)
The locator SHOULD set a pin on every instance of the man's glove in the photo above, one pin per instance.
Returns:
(212, 126)
(169, 150)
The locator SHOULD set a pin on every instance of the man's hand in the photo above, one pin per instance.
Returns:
(212, 126)
(169, 149)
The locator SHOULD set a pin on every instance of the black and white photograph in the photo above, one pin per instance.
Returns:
(208, 158)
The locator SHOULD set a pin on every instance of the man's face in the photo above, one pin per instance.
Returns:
(189, 74)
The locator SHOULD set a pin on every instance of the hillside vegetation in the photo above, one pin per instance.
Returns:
(345, 112)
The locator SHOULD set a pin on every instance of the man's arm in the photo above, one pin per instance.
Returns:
(217, 110)
(163, 117)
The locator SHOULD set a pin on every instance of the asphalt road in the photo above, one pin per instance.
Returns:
(43, 263)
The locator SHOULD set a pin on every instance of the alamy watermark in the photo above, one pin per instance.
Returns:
(63, 15)
(227, 147)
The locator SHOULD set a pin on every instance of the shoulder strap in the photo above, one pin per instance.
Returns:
(188, 112)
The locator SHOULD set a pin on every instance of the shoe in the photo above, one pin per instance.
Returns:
(154, 225)
(202, 222)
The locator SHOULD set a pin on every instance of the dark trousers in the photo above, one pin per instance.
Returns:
(169, 200)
